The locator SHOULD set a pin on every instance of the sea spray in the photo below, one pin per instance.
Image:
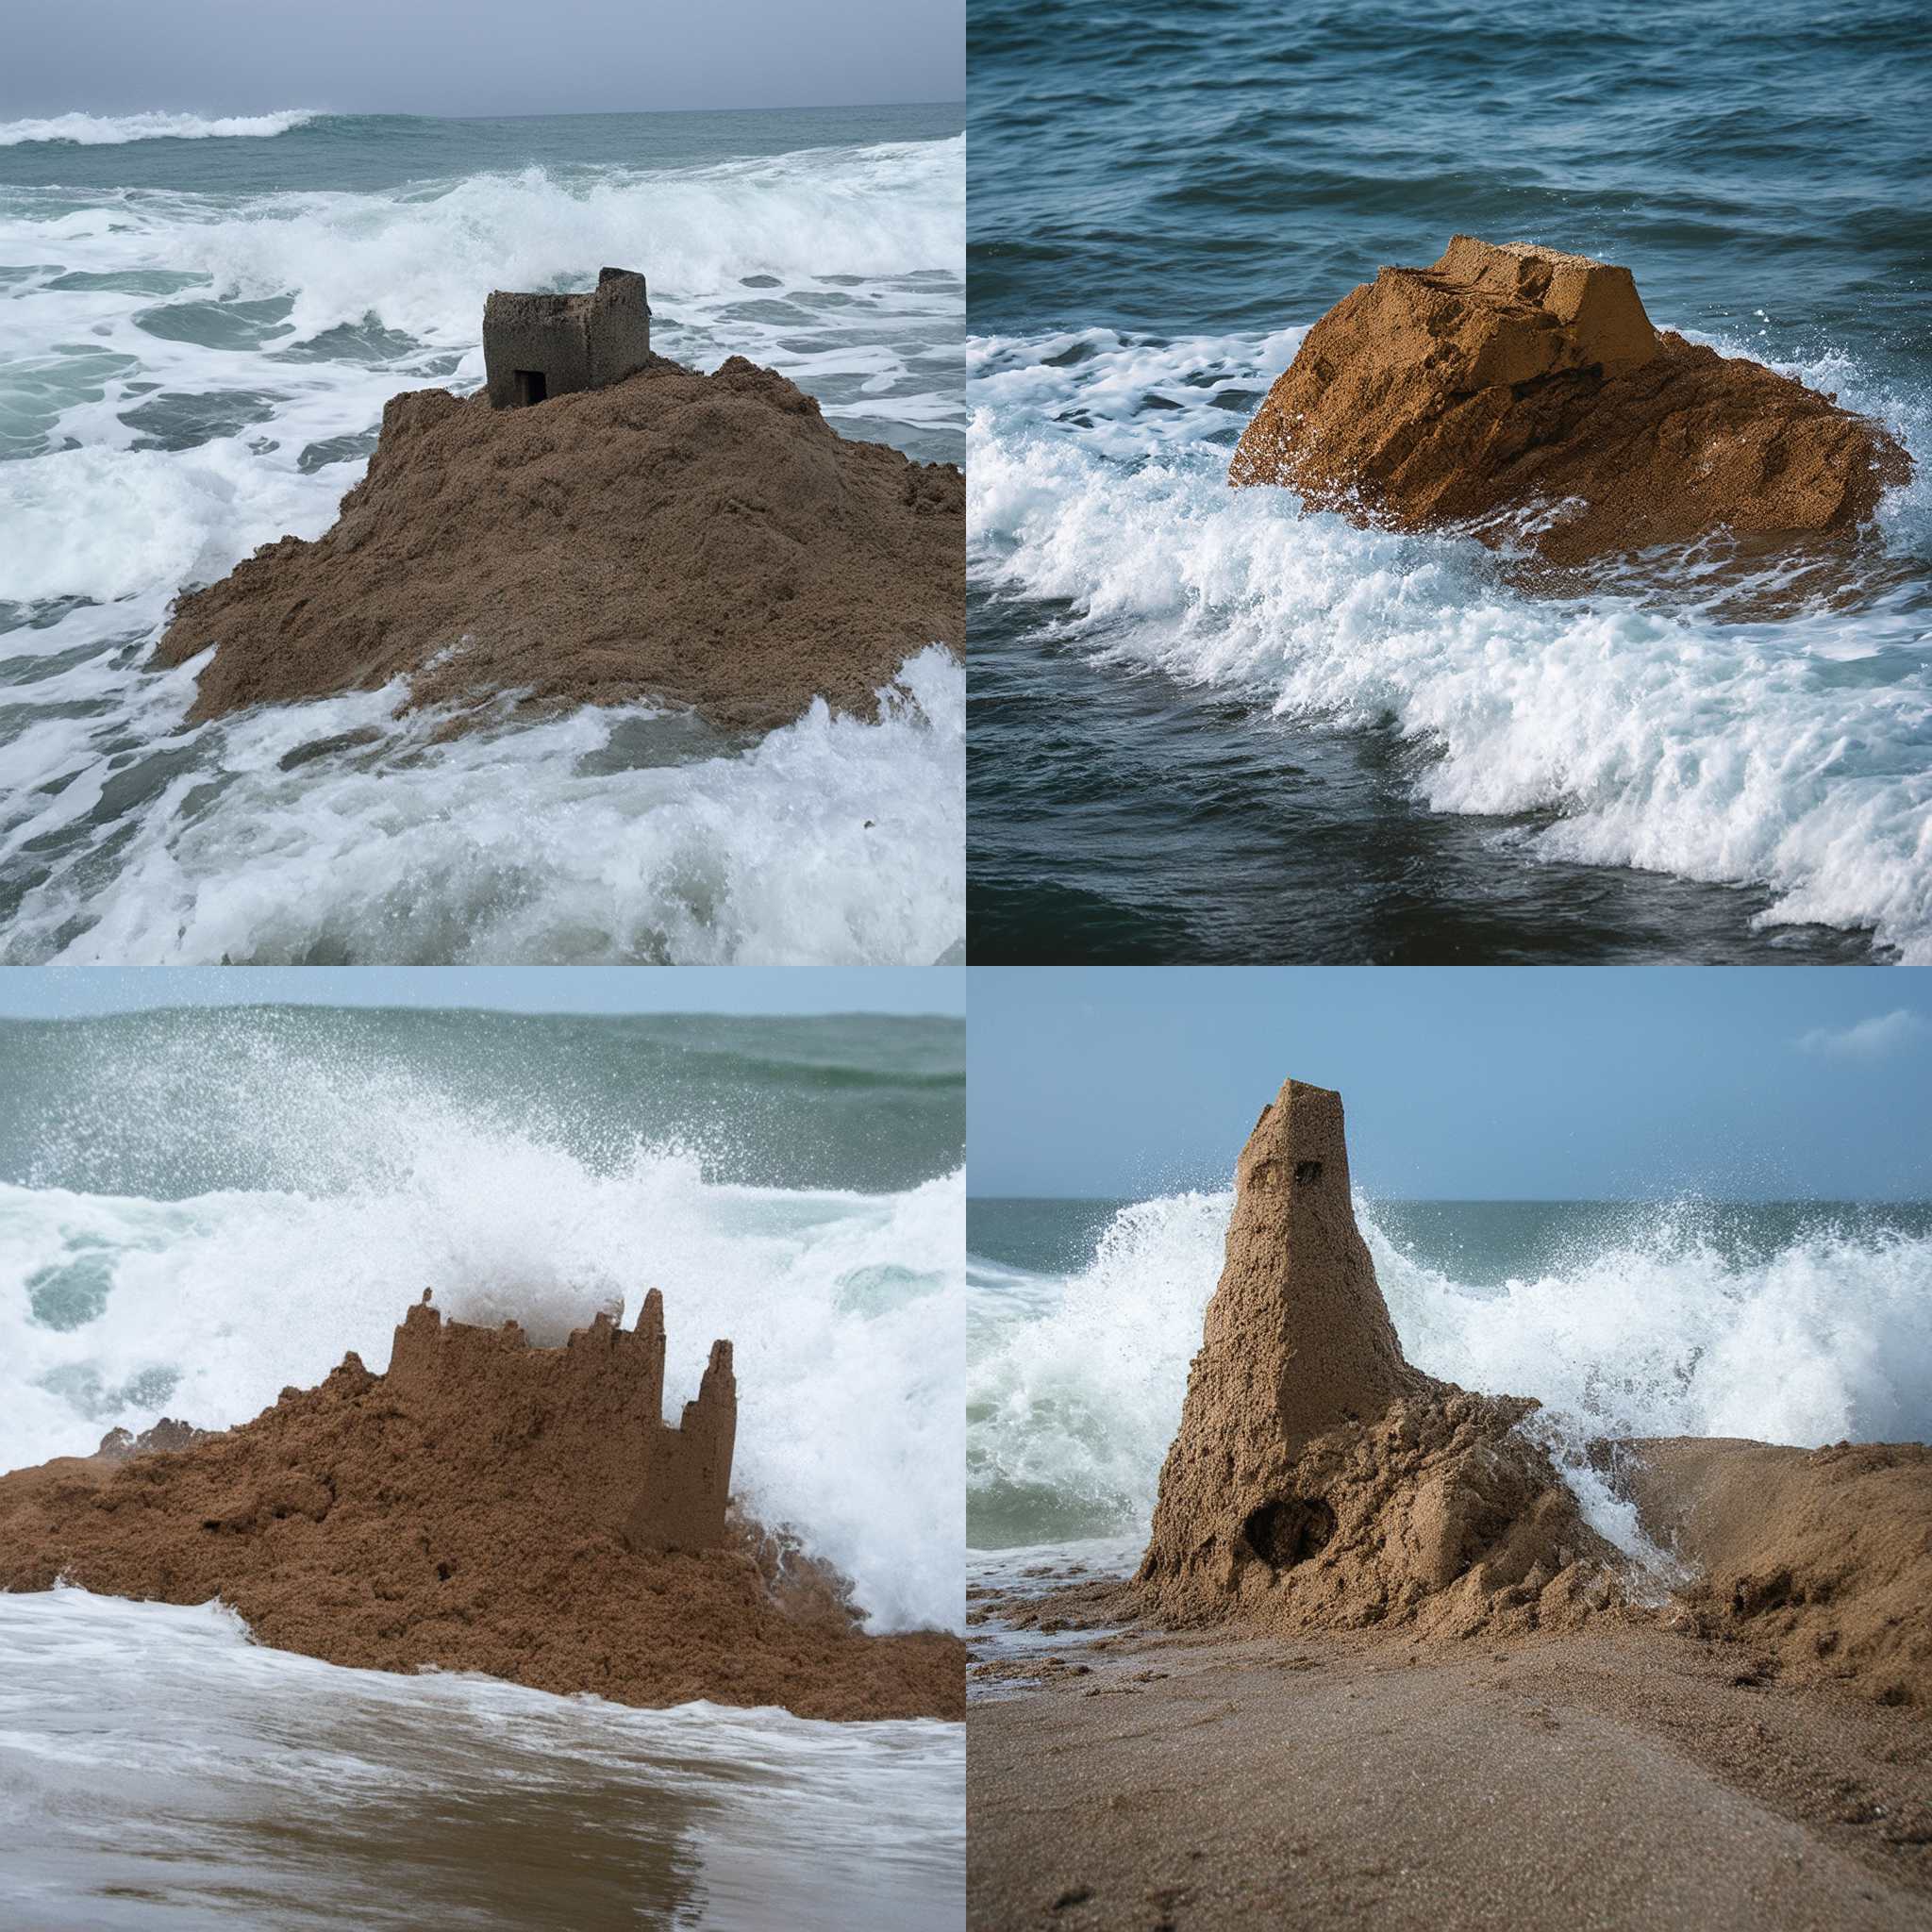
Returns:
(1616, 728)
(1814, 1334)
(376, 1170)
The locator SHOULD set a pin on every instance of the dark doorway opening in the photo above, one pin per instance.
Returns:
(531, 387)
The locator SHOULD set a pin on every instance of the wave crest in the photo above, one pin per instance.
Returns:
(112, 130)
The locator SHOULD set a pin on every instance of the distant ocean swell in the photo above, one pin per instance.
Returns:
(108, 130)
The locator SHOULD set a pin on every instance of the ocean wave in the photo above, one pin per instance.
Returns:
(833, 840)
(1828, 1337)
(1788, 753)
(110, 131)
(115, 1310)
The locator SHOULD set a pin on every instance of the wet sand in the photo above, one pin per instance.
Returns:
(1601, 1779)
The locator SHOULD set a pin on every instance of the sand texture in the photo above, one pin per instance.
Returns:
(1524, 394)
(1319, 1481)
(1599, 1779)
(484, 1505)
(1820, 1560)
(693, 540)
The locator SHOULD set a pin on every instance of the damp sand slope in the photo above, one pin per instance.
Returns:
(1596, 1779)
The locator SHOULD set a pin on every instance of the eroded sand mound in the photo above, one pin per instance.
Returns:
(1822, 1558)
(693, 539)
(1316, 1479)
(1522, 393)
(484, 1505)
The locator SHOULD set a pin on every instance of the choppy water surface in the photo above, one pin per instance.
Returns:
(201, 321)
(199, 1207)
(1205, 727)
(164, 1771)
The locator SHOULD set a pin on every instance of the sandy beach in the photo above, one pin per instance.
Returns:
(1605, 1779)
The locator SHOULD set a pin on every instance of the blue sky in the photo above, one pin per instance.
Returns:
(55, 992)
(1542, 1082)
(476, 57)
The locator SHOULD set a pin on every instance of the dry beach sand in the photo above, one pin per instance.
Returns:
(1376, 1668)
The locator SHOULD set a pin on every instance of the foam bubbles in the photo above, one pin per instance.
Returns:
(1791, 753)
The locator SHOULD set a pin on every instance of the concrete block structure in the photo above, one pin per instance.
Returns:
(540, 346)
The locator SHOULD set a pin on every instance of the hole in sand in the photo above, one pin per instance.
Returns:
(532, 387)
(1306, 1172)
(1286, 1533)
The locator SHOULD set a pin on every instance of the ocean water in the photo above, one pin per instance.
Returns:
(1789, 1321)
(202, 320)
(1205, 727)
(199, 1207)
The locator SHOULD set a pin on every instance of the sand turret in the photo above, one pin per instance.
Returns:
(1316, 1476)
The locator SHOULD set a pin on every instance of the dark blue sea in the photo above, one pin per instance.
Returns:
(1205, 727)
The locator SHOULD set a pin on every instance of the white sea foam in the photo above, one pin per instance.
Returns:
(831, 842)
(840, 1305)
(1789, 753)
(276, 327)
(108, 130)
(147, 1748)
(1075, 1383)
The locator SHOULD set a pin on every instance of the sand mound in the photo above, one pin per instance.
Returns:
(693, 539)
(1822, 1558)
(1524, 394)
(484, 1505)
(1317, 1480)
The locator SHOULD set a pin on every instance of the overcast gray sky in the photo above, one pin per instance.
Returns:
(476, 57)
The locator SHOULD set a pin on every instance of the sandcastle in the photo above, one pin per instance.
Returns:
(1523, 393)
(1317, 1478)
(600, 1399)
(540, 346)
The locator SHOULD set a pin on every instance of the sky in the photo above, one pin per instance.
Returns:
(1460, 1083)
(479, 56)
(56, 992)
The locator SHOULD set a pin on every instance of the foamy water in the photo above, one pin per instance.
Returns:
(1619, 729)
(324, 1183)
(157, 1762)
(1074, 1382)
(192, 373)
(110, 131)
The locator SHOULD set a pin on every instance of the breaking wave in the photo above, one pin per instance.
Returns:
(110, 131)
(1075, 1383)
